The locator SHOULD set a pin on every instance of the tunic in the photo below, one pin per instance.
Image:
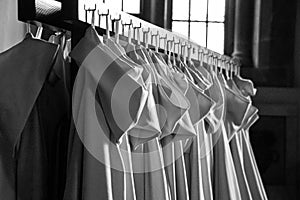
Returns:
(34, 120)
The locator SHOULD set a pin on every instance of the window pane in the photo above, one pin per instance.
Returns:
(131, 6)
(215, 40)
(180, 9)
(216, 10)
(198, 10)
(181, 28)
(198, 33)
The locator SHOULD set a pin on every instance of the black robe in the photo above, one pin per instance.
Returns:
(34, 121)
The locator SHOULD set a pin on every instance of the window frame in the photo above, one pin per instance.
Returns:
(161, 15)
(228, 23)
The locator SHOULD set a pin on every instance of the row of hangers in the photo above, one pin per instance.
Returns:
(184, 48)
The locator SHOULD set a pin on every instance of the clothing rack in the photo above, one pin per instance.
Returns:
(76, 16)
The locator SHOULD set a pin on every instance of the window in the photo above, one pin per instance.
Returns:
(202, 21)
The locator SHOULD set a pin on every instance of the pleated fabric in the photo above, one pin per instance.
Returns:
(158, 128)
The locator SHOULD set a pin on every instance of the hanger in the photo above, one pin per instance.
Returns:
(116, 22)
(208, 59)
(179, 50)
(93, 14)
(28, 31)
(106, 20)
(164, 43)
(236, 66)
(113, 22)
(39, 32)
(156, 40)
(239, 71)
(231, 69)
(170, 47)
(169, 50)
(200, 56)
(245, 85)
(101, 15)
(137, 35)
(93, 21)
(205, 56)
(227, 68)
(220, 63)
(129, 30)
(54, 38)
(145, 37)
(174, 47)
(216, 63)
(183, 52)
(107, 24)
(236, 69)
(190, 51)
(211, 58)
(28, 28)
(212, 61)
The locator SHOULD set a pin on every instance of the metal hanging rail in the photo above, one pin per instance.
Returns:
(77, 15)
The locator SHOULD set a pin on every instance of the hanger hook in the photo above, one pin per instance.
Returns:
(226, 67)
(90, 10)
(156, 40)
(136, 28)
(147, 31)
(216, 61)
(129, 30)
(219, 62)
(165, 42)
(200, 54)
(154, 35)
(183, 45)
(102, 14)
(113, 21)
(231, 68)
(176, 43)
(116, 19)
(163, 38)
(205, 55)
(168, 45)
(126, 24)
(191, 50)
(28, 28)
(209, 57)
(145, 36)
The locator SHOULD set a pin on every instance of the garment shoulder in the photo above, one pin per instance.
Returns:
(37, 49)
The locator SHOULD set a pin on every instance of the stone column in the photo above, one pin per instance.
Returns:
(297, 49)
(157, 12)
(243, 32)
